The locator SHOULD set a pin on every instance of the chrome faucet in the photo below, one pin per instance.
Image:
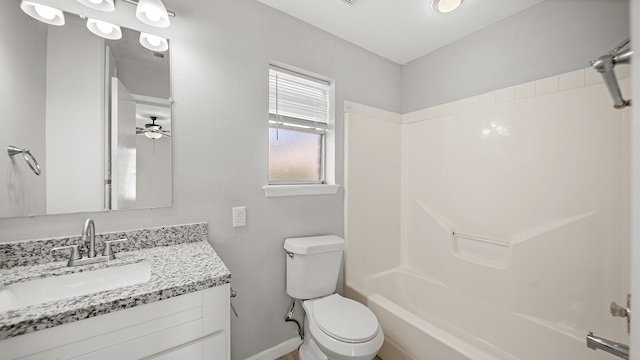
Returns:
(89, 234)
(612, 347)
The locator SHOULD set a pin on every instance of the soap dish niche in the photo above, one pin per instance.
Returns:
(481, 250)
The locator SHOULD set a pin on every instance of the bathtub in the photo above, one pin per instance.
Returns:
(426, 320)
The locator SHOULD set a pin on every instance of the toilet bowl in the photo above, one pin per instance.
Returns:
(337, 328)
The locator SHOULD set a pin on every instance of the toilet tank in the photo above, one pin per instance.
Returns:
(313, 265)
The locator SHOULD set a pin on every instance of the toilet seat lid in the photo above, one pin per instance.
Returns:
(345, 319)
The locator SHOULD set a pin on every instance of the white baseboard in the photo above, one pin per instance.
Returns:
(278, 350)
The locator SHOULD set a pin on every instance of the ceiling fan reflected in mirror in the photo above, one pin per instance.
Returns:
(153, 131)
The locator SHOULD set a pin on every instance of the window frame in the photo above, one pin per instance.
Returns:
(322, 128)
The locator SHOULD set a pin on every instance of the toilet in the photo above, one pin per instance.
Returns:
(335, 328)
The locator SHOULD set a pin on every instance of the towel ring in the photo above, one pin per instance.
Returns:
(28, 157)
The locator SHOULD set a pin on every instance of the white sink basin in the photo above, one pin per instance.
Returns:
(19, 295)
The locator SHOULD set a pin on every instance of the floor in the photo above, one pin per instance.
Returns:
(294, 356)
(290, 356)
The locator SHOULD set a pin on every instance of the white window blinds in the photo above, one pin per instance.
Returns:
(297, 101)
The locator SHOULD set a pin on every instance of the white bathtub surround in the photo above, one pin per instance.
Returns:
(372, 182)
(510, 207)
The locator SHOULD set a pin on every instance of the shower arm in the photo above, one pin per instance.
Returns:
(605, 64)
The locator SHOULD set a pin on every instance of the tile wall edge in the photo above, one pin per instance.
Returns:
(351, 107)
(558, 83)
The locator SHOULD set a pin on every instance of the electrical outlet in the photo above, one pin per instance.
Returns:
(239, 216)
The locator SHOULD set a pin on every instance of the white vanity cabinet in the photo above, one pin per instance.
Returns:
(194, 326)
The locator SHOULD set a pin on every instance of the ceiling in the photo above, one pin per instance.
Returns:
(399, 30)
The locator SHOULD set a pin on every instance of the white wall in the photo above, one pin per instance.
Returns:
(153, 172)
(220, 56)
(551, 38)
(74, 127)
(147, 79)
(22, 100)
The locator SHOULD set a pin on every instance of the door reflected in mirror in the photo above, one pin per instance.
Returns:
(95, 113)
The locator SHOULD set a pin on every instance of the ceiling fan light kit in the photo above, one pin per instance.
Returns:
(153, 135)
(153, 131)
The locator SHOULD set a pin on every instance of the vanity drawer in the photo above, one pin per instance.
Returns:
(209, 347)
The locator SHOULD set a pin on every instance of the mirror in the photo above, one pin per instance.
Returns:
(94, 113)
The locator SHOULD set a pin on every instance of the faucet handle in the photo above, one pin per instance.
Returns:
(619, 311)
(75, 252)
(107, 248)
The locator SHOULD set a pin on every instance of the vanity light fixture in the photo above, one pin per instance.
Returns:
(153, 42)
(152, 12)
(104, 29)
(102, 5)
(46, 14)
(445, 6)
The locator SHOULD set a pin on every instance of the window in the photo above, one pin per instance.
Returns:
(298, 125)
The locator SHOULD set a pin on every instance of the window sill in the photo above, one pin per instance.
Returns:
(300, 190)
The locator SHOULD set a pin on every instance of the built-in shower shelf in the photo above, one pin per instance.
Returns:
(481, 250)
(496, 253)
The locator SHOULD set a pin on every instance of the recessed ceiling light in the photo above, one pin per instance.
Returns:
(445, 6)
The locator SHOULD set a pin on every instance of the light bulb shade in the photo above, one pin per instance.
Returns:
(153, 42)
(152, 12)
(445, 6)
(153, 135)
(46, 14)
(102, 5)
(104, 29)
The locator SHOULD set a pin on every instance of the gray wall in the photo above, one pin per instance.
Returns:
(553, 37)
(220, 55)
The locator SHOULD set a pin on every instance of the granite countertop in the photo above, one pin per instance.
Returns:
(175, 270)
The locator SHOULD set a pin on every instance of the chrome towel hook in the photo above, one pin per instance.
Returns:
(28, 157)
